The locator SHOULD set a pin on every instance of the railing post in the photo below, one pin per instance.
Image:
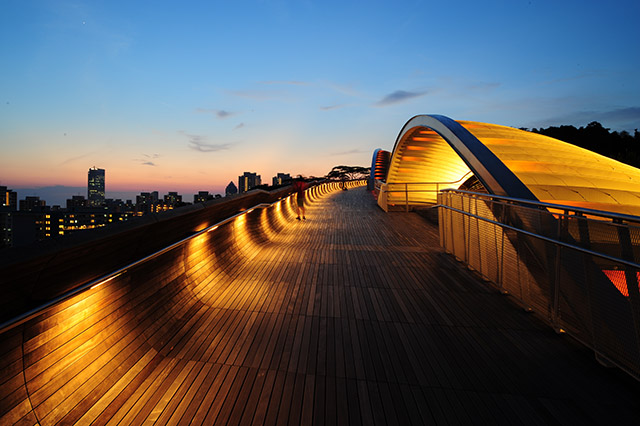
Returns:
(555, 301)
(406, 197)
(585, 240)
(480, 257)
(631, 276)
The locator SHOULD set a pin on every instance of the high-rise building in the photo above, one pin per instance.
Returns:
(172, 198)
(231, 189)
(8, 199)
(95, 194)
(281, 179)
(32, 204)
(144, 203)
(8, 207)
(248, 181)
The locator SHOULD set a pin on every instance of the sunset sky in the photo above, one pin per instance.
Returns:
(187, 96)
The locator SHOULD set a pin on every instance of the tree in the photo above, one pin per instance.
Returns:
(620, 146)
(348, 173)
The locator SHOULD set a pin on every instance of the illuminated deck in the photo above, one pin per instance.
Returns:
(356, 317)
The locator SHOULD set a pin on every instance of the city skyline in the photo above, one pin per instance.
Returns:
(59, 194)
(175, 98)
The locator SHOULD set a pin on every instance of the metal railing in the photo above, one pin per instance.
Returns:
(576, 267)
(26, 316)
(8, 325)
(410, 188)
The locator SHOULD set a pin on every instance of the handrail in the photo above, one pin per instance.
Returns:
(592, 212)
(462, 179)
(20, 319)
(385, 189)
(547, 239)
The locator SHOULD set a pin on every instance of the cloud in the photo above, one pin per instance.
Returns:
(72, 159)
(617, 119)
(206, 147)
(573, 78)
(239, 126)
(399, 96)
(330, 107)
(146, 160)
(198, 143)
(351, 151)
(289, 83)
(259, 95)
(342, 89)
(484, 86)
(220, 113)
(622, 114)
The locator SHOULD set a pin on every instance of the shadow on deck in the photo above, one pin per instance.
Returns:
(354, 316)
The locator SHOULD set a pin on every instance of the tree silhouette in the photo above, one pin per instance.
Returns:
(348, 173)
(620, 146)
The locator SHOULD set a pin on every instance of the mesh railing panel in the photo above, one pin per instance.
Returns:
(576, 268)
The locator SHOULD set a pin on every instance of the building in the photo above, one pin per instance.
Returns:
(231, 189)
(8, 208)
(172, 199)
(32, 204)
(8, 199)
(145, 201)
(76, 201)
(6, 228)
(248, 181)
(281, 179)
(201, 197)
(95, 189)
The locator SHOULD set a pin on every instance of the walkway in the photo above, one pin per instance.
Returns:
(356, 317)
(353, 316)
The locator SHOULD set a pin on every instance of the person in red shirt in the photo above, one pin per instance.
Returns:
(299, 187)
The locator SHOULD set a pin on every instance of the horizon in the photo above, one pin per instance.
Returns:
(183, 98)
(58, 194)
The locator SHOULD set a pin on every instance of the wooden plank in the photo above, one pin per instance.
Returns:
(253, 379)
(223, 404)
(217, 390)
(265, 397)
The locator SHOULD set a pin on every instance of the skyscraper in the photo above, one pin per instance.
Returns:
(95, 194)
(8, 199)
(248, 181)
(281, 179)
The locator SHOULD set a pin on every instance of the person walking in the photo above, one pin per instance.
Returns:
(299, 187)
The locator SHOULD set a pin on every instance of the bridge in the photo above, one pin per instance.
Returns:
(233, 312)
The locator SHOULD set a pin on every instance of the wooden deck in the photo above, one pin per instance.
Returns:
(354, 316)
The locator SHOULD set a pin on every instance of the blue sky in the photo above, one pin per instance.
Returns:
(188, 95)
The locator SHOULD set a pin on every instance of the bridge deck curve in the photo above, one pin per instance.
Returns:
(353, 316)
